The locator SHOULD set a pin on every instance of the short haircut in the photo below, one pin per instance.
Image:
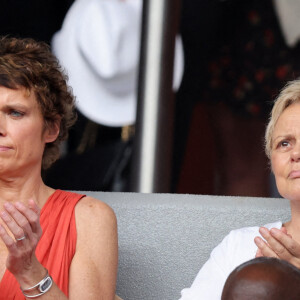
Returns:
(26, 63)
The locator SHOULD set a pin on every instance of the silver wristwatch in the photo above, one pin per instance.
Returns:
(42, 287)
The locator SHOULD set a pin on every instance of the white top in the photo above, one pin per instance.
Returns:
(236, 248)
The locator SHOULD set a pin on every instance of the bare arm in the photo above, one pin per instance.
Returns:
(94, 266)
(20, 221)
(93, 270)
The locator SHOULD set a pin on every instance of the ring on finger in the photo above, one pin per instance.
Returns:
(21, 238)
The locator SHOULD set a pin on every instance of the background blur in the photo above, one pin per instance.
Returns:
(237, 56)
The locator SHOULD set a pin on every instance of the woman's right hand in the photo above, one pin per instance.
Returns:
(22, 221)
(279, 244)
(259, 252)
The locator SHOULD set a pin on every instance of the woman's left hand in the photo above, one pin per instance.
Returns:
(21, 221)
(278, 243)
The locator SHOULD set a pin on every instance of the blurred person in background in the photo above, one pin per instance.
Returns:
(238, 55)
(99, 46)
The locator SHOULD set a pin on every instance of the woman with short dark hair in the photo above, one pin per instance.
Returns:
(53, 244)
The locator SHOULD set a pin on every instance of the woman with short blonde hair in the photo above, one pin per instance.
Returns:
(278, 239)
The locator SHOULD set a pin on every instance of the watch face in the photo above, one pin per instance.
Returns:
(46, 285)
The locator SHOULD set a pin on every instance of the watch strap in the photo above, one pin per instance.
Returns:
(43, 287)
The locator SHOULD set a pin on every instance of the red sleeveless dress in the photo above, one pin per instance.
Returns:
(56, 247)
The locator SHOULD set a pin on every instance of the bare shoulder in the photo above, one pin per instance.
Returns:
(91, 206)
(96, 256)
(92, 214)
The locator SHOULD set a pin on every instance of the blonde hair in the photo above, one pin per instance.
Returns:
(289, 94)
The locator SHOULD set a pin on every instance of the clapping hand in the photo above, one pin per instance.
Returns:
(278, 243)
(21, 233)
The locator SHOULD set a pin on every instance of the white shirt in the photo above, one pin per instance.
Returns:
(236, 248)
